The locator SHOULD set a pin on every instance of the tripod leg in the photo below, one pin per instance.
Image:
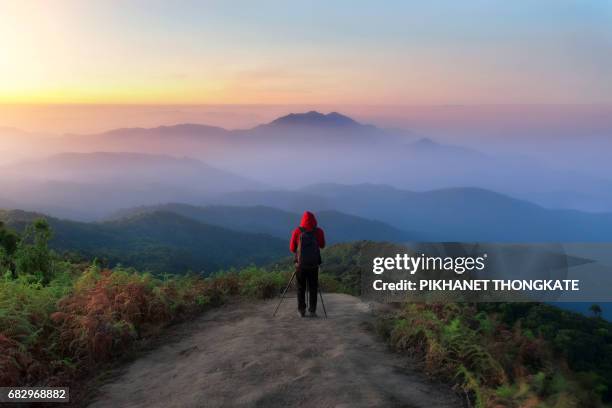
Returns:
(322, 303)
(283, 295)
(307, 296)
(321, 296)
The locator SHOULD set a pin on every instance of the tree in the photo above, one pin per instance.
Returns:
(8, 245)
(33, 256)
(596, 310)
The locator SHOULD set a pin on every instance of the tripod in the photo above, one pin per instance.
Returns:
(287, 288)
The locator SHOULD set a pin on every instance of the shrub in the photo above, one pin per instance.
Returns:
(32, 255)
(258, 283)
(25, 328)
(50, 333)
(494, 363)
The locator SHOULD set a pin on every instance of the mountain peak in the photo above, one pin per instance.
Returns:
(314, 118)
(425, 143)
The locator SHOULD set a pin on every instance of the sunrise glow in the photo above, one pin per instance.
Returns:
(155, 52)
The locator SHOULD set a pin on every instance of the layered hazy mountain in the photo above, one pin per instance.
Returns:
(454, 214)
(90, 185)
(279, 223)
(305, 148)
(197, 164)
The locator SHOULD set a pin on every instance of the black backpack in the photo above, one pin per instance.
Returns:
(308, 253)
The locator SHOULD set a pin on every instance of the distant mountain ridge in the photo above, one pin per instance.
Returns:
(170, 130)
(314, 118)
(73, 166)
(453, 214)
(161, 242)
(100, 182)
(339, 227)
(312, 147)
(311, 118)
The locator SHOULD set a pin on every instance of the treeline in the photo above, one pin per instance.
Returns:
(159, 242)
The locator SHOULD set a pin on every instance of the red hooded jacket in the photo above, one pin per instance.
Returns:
(308, 222)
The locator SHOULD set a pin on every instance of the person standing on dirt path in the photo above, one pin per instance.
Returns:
(306, 242)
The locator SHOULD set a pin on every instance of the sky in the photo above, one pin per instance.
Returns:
(359, 53)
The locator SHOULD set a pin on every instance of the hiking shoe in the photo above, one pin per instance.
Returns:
(313, 314)
(301, 314)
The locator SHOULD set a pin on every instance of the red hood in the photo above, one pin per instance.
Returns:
(308, 220)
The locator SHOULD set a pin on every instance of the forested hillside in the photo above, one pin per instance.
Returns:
(161, 242)
(339, 227)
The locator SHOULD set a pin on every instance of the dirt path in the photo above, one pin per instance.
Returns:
(239, 356)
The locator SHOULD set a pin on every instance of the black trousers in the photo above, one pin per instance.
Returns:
(307, 277)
